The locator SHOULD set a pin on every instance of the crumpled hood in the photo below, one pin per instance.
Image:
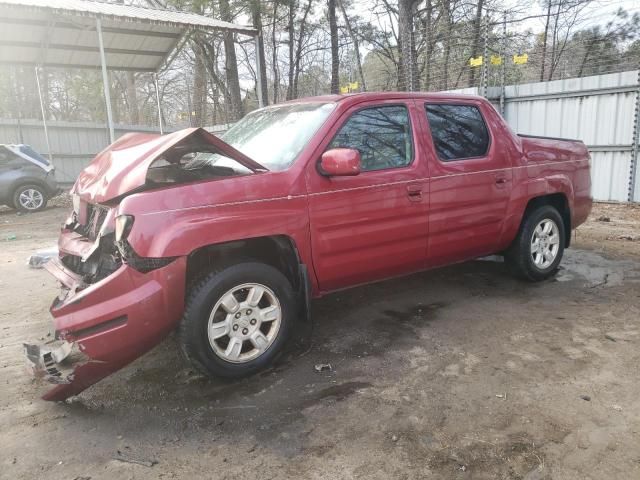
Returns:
(122, 166)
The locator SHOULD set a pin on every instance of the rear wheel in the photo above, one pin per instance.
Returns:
(237, 320)
(30, 198)
(537, 250)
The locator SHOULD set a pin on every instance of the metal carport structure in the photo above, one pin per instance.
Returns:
(96, 35)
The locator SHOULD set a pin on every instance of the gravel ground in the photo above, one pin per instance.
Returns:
(461, 373)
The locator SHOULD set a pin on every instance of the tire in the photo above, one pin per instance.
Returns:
(536, 252)
(30, 198)
(212, 321)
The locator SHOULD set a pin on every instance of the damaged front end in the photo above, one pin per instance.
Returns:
(113, 304)
(55, 361)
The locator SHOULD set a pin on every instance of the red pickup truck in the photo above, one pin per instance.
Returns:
(228, 239)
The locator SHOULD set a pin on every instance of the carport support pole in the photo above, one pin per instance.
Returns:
(155, 82)
(44, 115)
(105, 80)
(258, 71)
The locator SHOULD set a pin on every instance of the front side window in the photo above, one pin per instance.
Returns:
(458, 131)
(382, 135)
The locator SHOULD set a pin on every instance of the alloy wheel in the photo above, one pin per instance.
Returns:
(545, 243)
(31, 199)
(244, 322)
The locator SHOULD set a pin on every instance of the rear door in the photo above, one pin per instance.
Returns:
(470, 181)
(373, 225)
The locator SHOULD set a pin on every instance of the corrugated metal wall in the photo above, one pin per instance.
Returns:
(73, 144)
(598, 110)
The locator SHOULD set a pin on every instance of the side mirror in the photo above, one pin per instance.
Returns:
(340, 162)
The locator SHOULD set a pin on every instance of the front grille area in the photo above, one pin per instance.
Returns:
(100, 265)
(96, 215)
(108, 255)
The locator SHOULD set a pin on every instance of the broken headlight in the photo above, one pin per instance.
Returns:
(123, 226)
(141, 264)
(75, 198)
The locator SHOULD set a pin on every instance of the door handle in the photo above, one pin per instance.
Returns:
(414, 192)
(501, 180)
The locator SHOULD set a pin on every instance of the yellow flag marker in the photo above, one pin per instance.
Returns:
(475, 62)
(350, 87)
(520, 59)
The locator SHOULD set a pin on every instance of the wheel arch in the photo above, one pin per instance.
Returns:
(560, 202)
(278, 251)
(25, 182)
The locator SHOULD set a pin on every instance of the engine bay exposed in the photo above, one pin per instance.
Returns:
(191, 162)
(103, 258)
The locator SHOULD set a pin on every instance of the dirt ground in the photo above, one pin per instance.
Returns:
(457, 373)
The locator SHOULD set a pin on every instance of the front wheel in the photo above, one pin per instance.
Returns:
(30, 198)
(537, 250)
(237, 320)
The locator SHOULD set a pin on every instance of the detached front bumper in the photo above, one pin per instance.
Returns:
(53, 361)
(102, 327)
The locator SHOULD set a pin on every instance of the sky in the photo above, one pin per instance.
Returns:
(597, 13)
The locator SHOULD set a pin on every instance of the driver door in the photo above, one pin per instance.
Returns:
(373, 225)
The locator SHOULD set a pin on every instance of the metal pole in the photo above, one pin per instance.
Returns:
(155, 82)
(105, 80)
(189, 106)
(503, 66)
(44, 115)
(17, 97)
(633, 174)
(485, 60)
(258, 71)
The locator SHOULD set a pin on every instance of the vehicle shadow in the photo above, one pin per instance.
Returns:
(409, 334)
(354, 331)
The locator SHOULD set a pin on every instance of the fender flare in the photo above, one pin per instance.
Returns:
(527, 192)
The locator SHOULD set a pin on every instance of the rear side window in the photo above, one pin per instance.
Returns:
(382, 135)
(458, 131)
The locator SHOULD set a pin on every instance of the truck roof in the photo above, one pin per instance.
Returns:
(365, 96)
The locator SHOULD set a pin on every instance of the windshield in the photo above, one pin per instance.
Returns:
(273, 137)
